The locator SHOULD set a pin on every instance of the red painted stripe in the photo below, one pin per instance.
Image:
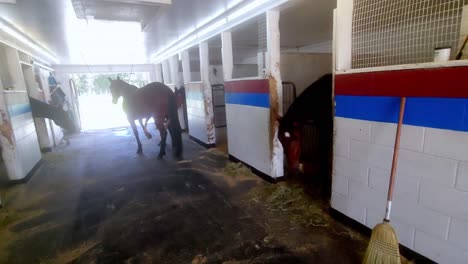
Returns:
(437, 82)
(247, 86)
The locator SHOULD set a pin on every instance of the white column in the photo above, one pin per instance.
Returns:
(186, 67)
(174, 65)
(344, 38)
(207, 92)
(14, 69)
(152, 74)
(276, 89)
(159, 77)
(226, 51)
(204, 62)
(165, 72)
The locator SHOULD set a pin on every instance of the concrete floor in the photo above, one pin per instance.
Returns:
(96, 201)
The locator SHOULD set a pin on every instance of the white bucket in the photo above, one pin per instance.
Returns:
(442, 54)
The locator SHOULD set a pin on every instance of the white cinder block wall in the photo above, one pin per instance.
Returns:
(430, 207)
(248, 122)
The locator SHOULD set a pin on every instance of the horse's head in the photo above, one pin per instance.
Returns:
(290, 136)
(116, 89)
(180, 96)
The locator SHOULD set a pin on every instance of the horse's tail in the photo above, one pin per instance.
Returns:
(174, 126)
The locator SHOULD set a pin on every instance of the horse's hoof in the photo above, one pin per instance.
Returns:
(149, 136)
(160, 157)
(139, 151)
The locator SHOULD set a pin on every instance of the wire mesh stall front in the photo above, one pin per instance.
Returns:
(393, 32)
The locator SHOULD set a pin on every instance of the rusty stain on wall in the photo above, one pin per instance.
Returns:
(274, 112)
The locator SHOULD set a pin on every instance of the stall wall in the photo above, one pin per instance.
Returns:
(304, 68)
(248, 119)
(429, 210)
(20, 146)
(201, 122)
(24, 152)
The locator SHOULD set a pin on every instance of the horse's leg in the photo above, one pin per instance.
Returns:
(147, 134)
(135, 132)
(163, 132)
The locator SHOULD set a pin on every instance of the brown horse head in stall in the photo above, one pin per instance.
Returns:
(290, 136)
(153, 100)
(313, 105)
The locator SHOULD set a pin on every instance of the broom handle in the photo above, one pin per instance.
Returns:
(395, 159)
(460, 53)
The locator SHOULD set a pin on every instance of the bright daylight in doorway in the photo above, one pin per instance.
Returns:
(96, 108)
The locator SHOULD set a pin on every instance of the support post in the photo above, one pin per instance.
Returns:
(207, 92)
(344, 38)
(226, 50)
(14, 68)
(165, 72)
(186, 67)
(159, 77)
(276, 90)
(174, 65)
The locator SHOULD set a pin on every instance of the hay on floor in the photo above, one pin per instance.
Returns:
(237, 170)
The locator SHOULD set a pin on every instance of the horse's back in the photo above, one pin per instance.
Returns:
(150, 99)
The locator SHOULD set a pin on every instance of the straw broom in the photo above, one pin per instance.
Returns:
(383, 246)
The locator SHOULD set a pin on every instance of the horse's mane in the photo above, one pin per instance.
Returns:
(124, 84)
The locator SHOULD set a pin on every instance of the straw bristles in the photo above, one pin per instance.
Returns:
(383, 246)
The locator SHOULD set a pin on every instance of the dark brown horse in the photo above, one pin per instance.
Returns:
(153, 100)
(313, 105)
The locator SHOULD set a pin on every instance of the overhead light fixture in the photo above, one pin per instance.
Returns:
(230, 18)
(7, 1)
(23, 39)
(246, 9)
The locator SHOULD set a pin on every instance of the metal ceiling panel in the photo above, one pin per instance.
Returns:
(54, 25)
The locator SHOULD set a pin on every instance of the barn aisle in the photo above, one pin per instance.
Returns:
(96, 201)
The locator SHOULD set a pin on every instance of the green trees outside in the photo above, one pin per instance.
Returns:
(89, 84)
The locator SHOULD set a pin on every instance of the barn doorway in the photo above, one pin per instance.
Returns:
(95, 101)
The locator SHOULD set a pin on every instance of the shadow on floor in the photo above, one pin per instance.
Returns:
(96, 201)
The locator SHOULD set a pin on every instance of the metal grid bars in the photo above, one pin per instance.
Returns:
(393, 32)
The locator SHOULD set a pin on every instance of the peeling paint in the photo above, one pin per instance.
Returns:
(276, 149)
(209, 114)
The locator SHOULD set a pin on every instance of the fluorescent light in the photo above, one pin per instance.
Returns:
(8, 1)
(233, 3)
(21, 38)
(229, 20)
(246, 9)
(212, 27)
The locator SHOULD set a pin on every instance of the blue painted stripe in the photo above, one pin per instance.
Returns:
(18, 109)
(443, 113)
(194, 96)
(252, 99)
